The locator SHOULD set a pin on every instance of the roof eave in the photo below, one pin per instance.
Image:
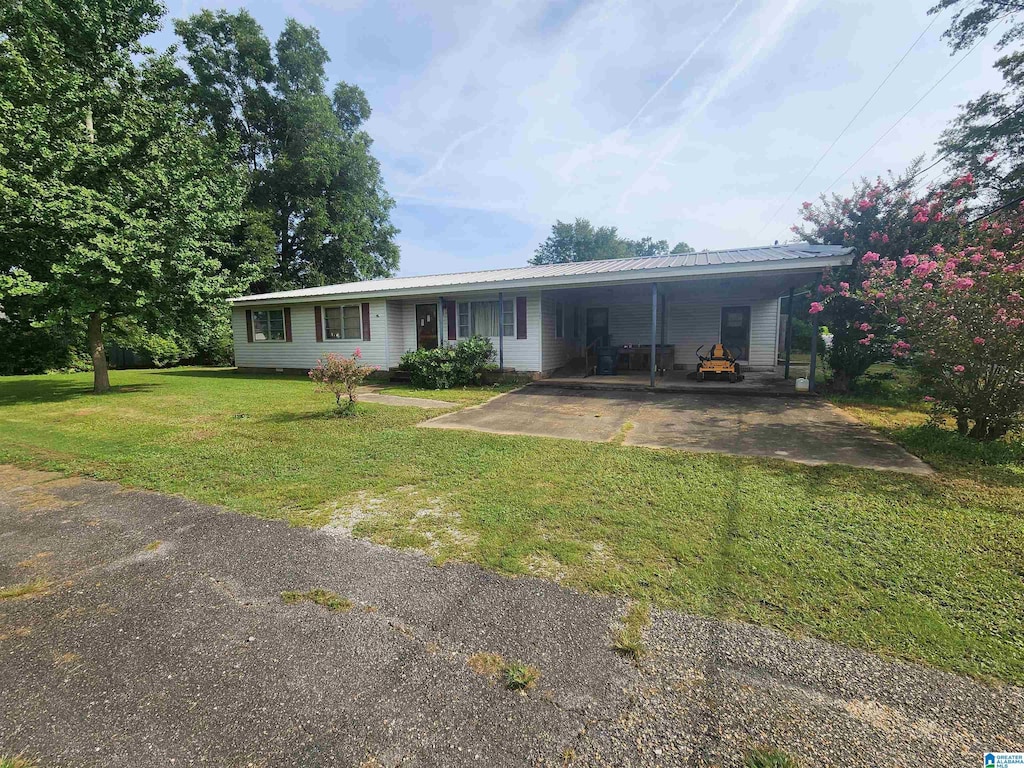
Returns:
(596, 278)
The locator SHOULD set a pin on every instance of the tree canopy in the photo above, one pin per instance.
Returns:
(581, 241)
(316, 210)
(116, 204)
(683, 247)
(972, 20)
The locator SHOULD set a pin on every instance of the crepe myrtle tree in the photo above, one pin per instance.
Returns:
(958, 309)
(883, 216)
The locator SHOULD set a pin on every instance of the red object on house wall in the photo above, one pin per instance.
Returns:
(520, 317)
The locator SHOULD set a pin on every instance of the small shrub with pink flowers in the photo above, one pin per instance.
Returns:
(341, 376)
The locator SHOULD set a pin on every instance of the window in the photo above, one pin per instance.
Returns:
(343, 322)
(559, 321)
(481, 318)
(268, 325)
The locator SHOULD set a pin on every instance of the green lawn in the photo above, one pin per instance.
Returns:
(927, 569)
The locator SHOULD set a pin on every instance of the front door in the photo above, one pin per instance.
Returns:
(597, 326)
(426, 326)
(736, 331)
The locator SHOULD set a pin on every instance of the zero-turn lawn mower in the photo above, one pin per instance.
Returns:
(719, 362)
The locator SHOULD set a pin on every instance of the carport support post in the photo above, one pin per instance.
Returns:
(814, 354)
(440, 323)
(654, 330)
(501, 333)
(789, 330)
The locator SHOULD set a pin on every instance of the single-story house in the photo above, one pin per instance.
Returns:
(543, 318)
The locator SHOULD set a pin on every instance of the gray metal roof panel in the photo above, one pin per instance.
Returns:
(636, 266)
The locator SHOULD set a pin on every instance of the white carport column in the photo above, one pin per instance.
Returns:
(654, 330)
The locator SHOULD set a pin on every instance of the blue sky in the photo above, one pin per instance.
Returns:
(683, 120)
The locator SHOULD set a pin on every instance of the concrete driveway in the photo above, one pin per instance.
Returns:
(160, 638)
(809, 431)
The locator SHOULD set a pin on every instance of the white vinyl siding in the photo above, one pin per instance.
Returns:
(520, 354)
(557, 351)
(304, 350)
(397, 340)
(691, 325)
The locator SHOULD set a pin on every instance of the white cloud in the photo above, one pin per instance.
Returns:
(680, 119)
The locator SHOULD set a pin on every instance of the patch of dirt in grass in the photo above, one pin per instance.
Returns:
(13, 477)
(545, 566)
(345, 517)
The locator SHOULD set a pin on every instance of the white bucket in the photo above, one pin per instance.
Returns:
(802, 384)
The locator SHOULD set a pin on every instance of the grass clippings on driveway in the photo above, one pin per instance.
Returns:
(926, 569)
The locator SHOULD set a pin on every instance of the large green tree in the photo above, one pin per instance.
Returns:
(316, 210)
(987, 136)
(582, 241)
(115, 206)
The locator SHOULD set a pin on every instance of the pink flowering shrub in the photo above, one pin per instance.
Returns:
(341, 376)
(891, 231)
(960, 321)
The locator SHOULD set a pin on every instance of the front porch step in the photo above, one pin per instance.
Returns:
(396, 376)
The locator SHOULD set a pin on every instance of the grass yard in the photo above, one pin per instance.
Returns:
(923, 568)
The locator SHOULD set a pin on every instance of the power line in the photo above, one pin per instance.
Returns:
(995, 210)
(913, 106)
(943, 156)
(847, 126)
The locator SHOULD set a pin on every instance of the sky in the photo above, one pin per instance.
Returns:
(680, 120)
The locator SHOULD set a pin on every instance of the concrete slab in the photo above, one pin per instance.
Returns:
(805, 431)
(808, 431)
(410, 402)
(542, 412)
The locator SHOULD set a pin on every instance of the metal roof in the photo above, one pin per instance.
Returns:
(700, 262)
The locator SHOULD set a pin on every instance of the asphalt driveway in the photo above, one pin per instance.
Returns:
(159, 637)
(809, 431)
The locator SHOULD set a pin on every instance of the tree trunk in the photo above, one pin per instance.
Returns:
(100, 378)
(840, 381)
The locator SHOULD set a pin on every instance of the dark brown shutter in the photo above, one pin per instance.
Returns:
(318, 316)
(453, 329)
(520, 317)
(287, 323)
(248, 325)
(366, 321)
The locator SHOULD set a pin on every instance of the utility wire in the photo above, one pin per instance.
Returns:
(913, 106)
(846, 127)
(995, 210)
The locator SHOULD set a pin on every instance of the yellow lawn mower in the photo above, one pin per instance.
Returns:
(719, 362)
